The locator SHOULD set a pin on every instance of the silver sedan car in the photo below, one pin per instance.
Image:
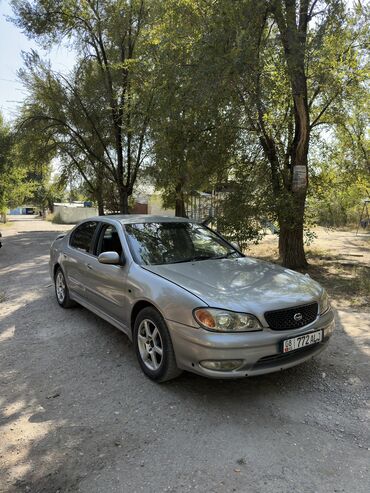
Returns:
(188, 299)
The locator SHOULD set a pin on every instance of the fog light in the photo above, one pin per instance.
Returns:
(224, 365)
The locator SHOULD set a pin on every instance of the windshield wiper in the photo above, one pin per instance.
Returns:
(202, 257)
(193, 259)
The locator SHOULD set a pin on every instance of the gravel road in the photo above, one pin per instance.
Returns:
(78, 415)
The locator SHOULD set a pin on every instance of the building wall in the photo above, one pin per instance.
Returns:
(139, 208)
(72, 215)
(23, 210)
(15, 212)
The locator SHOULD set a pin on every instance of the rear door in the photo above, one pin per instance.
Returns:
(107, 289)
(78, 255)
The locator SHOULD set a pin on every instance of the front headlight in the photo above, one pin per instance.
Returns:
(225, 321)
(324, 302)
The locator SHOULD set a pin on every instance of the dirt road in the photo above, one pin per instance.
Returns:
(77, 414)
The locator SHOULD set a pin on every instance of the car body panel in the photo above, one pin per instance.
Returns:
(106, 288)
(244, 284)
(138, 284)
(163, 294)
(192, 346)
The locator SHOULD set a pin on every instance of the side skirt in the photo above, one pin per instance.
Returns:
(102, 314)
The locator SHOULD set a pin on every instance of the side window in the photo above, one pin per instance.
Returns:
(83, 235)
(109, 240)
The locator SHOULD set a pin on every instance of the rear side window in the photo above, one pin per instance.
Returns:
(83, 235)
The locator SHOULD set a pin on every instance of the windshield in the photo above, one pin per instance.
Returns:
(169, 243)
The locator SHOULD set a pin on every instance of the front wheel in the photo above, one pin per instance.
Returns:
(61, 290)
(153, 346)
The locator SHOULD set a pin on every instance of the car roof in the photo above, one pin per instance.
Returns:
(145, 218)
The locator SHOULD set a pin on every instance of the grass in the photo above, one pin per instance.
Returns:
(347, 284)
(346, 280)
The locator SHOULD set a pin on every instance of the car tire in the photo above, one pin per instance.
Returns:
(61, 290)
(153, 346)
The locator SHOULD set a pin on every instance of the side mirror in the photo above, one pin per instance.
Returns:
(236, 245)
(110, 258)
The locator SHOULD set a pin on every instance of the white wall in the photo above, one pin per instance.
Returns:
(72, 215)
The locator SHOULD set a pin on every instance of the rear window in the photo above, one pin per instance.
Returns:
(83, 235)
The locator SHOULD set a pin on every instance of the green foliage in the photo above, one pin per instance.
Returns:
(192, 133)
(98, 116)
(270, 76)
(198, 94)
(14, 186)
(336, 199)
(24, 170)
(340, 178)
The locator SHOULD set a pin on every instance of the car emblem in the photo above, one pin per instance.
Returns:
(298, 317)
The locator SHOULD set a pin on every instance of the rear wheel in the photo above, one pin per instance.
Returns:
(153, 346)
(61, 290)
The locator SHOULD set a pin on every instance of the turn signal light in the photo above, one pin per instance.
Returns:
(205, 318)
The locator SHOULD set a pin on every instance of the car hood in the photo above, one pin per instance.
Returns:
(243, 284)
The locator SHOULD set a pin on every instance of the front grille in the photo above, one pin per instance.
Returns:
(284, 319)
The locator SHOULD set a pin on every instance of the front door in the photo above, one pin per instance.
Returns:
(107, 289)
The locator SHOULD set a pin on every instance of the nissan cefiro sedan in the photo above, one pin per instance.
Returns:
(189, 299)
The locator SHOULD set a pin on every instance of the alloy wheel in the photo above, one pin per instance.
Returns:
(60, 287)
(150, 344)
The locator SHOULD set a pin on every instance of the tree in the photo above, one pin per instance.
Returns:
(8, 176)
(115, 52)
(287, 65)
(237, 91)
(192, 133)
(22, 177)
(305, 61)
(64, 113)
(341, 170)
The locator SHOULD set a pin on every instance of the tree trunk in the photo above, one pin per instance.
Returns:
(180, 210)
(291, 243)
(292, 25)
(100, 207)
(123, 201)
(100, 199)
(99, 189)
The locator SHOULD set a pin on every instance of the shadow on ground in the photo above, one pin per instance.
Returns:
(77, 414)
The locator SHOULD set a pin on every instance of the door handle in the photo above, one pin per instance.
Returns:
(89, 266)
(65, 255)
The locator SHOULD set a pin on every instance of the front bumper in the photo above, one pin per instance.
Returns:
(260, 352)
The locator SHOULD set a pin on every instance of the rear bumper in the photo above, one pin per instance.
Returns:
(259, 352)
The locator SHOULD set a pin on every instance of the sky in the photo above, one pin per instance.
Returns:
(12, 43)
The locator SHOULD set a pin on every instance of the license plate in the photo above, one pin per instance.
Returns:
(302, 341)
